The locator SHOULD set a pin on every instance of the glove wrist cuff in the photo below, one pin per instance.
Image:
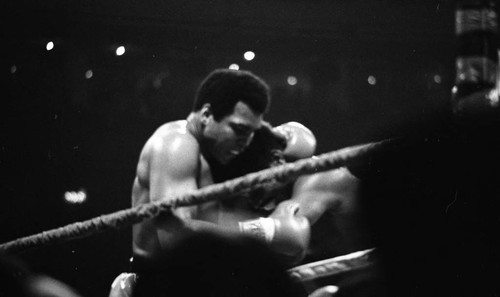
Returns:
(263, 228)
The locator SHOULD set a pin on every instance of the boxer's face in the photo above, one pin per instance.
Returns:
(228, 137)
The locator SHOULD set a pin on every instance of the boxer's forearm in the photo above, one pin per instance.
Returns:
(204, 226)
(171, 229)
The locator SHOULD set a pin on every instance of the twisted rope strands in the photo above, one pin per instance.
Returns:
(333, 266)
(253, 181)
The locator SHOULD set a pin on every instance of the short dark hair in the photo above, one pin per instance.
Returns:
(224, 88)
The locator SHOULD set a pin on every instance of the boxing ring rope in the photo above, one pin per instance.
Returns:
(268, 177)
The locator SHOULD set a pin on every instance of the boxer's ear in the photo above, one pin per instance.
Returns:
(206, 113)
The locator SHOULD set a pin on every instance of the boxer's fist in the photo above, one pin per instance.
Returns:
(292, 231)
(286, 232)
(301, 142)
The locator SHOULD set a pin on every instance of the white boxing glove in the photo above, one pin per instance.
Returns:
(286, 232)
(301, 142)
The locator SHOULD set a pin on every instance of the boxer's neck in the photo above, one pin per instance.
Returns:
(194, 126)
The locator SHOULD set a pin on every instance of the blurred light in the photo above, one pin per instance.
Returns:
(120, 50)
(49, 46)
(372, 80)
(13, 69)
(249, 56)
(291, 80)
(437, 78)
(89, 73)
(234, 67)
(75, 197)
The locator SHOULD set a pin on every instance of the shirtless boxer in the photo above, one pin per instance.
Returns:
(228, 109)
(212, 145)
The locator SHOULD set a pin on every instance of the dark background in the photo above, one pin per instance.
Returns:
(63, 132)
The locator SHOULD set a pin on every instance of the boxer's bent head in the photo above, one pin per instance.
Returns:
(265, 151)
(224, 88)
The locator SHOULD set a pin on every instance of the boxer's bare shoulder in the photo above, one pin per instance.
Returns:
(170, 144)
(331, 180)
(168, 135)
(168, 140)
(325, 191)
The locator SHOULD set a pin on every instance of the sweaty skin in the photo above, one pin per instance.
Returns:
(171, 148)
(332, 201)
(173, 163)
(335, 190)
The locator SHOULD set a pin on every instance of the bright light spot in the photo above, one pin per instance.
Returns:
(249, 56)
(437, 78)
(49, 46)
(234, 67)
(372, 80)
(291, 80)
(75, 197)
(13, 69)
(89, 73)
(120, 50)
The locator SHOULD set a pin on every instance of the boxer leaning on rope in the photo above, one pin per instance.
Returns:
(228, 110)
(225, 137)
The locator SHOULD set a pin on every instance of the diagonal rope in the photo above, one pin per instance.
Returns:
(280, 174)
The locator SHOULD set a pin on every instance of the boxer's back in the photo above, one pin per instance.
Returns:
(145, 239)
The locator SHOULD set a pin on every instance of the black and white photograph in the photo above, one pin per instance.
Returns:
(320, 148)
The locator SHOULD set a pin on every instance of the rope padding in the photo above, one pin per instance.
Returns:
(333, 266)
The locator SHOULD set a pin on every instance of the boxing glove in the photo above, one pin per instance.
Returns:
(300, 141)
(284, 230)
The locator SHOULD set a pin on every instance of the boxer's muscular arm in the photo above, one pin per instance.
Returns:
(312, 196)
(286, 230)
(317, 193)
(174, 166)
(173, 170)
